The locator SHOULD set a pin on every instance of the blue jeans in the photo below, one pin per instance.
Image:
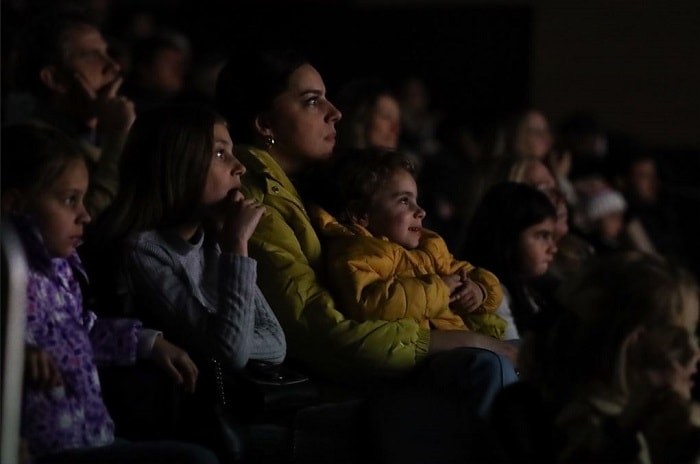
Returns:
(474, 376)
(135, 452)
(439, 413)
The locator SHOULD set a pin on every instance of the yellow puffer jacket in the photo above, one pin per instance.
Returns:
(374, 278)
(288, 253)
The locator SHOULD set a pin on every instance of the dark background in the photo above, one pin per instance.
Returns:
(474, 58)
(635, 64)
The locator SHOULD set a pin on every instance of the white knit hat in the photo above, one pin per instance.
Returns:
(605, 202)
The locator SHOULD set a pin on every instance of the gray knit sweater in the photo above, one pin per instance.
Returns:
(203, 298)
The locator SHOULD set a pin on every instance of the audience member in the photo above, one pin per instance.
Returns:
(382, 263)
(512, 234)
(65, 64)
(278, 111)
(604, 220)
(525, 133)
(64, 418)
(420, 119)
(653, 222)
(616, 368)
(159, 67)
(182, 226)
(371, 116)
(572, 248)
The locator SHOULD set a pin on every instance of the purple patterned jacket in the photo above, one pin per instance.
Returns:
(73, 415)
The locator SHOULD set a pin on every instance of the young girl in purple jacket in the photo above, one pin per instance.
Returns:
(64, 418)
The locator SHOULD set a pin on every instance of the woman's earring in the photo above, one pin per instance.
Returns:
(269, 141)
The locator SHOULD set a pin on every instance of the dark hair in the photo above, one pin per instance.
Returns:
(248, 85)
(362, 173)
(163, 169)
(42, 43)
(147, 49)
(34, 155)
(356, 100)
(507, 209)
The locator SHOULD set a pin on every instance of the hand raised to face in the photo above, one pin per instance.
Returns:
(115, 113)
(239, 223)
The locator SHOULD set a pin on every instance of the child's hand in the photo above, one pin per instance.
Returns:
(40, 369)
(176, 362)
(469, 297)
(239, 224)
(453, 282)
(560, 162)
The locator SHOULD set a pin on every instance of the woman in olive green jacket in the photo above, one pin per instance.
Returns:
(281, 123)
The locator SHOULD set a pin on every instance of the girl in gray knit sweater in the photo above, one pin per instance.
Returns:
(184, 227)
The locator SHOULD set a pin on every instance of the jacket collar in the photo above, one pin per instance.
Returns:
(38, 257)
(260, 161)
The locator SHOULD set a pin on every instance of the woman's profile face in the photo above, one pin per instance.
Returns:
(385, 123)
(302, 120)
(533, 137)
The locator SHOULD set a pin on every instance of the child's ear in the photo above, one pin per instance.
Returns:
(50, 78)
(353, 212)
(12, 201)
(362, 219)
(627, 364)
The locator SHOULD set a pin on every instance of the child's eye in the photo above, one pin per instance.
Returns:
(403, 201)
(223, 155)
(70, 201)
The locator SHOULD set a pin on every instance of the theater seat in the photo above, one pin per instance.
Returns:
(14, 295)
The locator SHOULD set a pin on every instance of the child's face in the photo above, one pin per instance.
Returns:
(394, 212)
(610, 226)
(60, 211)
(225, 170)
(537, 248)
(688, 353)
(669, 353)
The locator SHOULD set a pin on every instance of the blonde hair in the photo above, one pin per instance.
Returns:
(519, 167)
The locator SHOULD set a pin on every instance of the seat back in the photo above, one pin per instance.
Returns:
(14, 301)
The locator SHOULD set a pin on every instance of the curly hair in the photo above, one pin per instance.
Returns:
(362, 173)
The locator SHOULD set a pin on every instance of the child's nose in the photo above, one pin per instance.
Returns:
(238, 169)
(84, 217)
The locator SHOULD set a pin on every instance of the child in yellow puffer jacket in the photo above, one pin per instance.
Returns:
(382, 264)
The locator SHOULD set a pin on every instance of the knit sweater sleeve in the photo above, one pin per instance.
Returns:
(262, 337)
(236, 324)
